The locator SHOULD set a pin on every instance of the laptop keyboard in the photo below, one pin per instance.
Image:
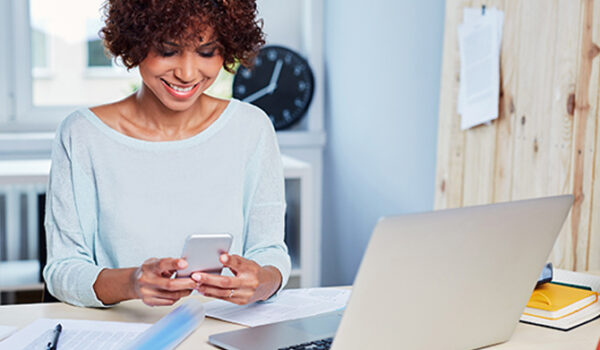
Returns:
(321, 344)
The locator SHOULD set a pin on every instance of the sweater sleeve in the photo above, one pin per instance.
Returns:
(265, 212)
(70, 223)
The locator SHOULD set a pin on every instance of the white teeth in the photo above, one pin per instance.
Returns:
(179, 89)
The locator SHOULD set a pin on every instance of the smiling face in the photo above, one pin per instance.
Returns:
(178, 74)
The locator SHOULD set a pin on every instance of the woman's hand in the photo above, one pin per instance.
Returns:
(152, 282)
(251, 282)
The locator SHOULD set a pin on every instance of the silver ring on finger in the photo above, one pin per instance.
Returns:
(231, 294)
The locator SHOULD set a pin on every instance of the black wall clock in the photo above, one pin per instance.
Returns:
(281, 83)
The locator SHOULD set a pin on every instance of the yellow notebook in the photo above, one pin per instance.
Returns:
(554, 301)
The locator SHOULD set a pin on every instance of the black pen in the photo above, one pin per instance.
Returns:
(52, 345)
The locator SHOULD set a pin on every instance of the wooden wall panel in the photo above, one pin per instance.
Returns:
(564, 76)
(593, 247)
(507, 113)
(584, 141)
(480, 150)
(450, 157)
(545, 139)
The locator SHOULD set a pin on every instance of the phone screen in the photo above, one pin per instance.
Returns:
(202, 252)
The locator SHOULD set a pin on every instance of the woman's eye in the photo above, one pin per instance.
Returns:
(167, 53)
(210, 53)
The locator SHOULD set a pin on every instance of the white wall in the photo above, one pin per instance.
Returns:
(383, 63)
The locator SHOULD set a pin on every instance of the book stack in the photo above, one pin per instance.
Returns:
(563, 304)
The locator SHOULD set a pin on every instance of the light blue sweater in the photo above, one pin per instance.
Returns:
(114, 201)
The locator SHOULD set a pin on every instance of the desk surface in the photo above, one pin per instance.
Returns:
(525, 336)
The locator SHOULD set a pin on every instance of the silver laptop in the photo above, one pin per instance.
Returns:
(449, 279)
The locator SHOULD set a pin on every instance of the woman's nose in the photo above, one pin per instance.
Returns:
(186, 70)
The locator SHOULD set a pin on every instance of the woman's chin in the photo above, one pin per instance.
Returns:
(179, 105)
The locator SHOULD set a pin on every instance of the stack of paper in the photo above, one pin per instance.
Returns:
(165, 334)
(289, 304)
(480, 40)
(76, 334)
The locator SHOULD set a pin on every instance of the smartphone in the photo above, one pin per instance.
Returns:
(202, 251)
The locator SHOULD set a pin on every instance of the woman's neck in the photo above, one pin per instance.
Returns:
(155, 117)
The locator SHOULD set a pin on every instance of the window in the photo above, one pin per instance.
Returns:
(99, 61)
(52, 61)
(83, 73)
(39, 49)
(96, 55)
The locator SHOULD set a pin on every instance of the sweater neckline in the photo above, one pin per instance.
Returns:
(202, 136)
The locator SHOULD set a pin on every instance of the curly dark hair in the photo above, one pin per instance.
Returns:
(134, 27)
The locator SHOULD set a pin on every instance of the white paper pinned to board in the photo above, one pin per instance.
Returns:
(479, 38)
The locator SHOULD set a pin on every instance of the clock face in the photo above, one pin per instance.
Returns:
(281, 83)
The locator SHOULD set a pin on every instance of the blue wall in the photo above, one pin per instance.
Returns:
(383, 65)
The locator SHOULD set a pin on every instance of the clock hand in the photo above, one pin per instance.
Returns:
(269, 88)
(275, 76)
(260, 93)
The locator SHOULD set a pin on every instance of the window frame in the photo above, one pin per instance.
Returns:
(28, 117)
(5, 98)
(48, 71)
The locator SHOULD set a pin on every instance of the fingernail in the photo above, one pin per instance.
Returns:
(197, 277)
(224, 258)
(181, 264)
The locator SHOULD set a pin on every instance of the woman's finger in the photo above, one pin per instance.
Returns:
(171, 265)
(173, 284)
(152, 301)
(148, 291)
(233, 262)
(225, 294)
(163, 294)
(238, 301)
(225, 282)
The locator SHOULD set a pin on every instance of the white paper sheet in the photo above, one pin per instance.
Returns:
(480, 38)
(578, 278)
(76, 335)
(5, 331)
(288, 305)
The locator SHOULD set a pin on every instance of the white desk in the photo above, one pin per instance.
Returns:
(526, 337)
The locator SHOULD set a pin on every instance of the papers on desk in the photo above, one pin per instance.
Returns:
(289, 304)
(5, 331)
(165, 334)
(480, 40)
(76, 334)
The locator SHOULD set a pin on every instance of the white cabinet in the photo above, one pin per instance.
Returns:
(301, 238)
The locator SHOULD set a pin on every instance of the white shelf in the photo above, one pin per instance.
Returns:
(14, 172)
(301, 138)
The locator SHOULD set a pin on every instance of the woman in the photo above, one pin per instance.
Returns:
(132, 179)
